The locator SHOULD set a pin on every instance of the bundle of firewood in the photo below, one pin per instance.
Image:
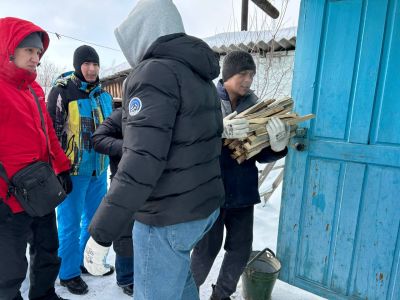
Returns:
(258, 116)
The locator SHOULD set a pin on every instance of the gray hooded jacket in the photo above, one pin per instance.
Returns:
(172, 125)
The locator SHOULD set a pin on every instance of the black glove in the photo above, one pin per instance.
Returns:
(65, 180)
(5, 212)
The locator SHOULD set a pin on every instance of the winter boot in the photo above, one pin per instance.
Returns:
(75, 285)
(56, 297)
(127, 289)
(215, 296)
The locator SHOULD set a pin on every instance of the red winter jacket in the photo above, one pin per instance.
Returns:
(22, 140)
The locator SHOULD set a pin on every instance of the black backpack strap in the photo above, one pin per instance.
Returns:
(41, 120)
(3, 174)
(11, 187)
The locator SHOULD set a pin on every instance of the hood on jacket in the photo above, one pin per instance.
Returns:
(12, 32)
(191, 51)
(149, 20)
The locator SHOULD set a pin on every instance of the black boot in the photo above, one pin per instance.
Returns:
(215, 296)
(75, 285)
(127, 289)
(56, 297)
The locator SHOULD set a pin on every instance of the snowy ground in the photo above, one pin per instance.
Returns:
(265, 235)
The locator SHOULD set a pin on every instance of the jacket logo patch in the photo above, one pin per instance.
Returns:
(135, 105)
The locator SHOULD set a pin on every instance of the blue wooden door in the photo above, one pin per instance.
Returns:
(339, 231)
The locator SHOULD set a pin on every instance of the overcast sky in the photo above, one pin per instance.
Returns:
(95, 20)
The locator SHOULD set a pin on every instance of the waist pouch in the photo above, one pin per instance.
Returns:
(37, 188)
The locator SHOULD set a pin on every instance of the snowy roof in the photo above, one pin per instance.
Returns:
(265, 40)
(256, 41)
(120, 70)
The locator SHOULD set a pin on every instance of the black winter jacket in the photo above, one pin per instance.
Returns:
(107, 139)
(172, 125)
(241, 181)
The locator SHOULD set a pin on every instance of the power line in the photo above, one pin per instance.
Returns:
(59, 35)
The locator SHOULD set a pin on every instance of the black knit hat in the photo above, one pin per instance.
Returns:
(84, 54)
(236, 62)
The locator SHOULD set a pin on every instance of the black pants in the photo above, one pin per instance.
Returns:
(41, 234)
(238, 244)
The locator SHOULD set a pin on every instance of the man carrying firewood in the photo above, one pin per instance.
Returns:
(240, 180)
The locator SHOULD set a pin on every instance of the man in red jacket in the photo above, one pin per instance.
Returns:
(22, 142)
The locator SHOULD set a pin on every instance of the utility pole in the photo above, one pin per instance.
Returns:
(264, 5)
(245, 14)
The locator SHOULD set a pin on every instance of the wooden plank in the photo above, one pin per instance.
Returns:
(254, 127)
(266, 113)
(275, 184)
(248, 147)
(258, 120)
(300, 119)
(261, 131)
(253, 153)
(255, 107)
(234, 144)
(256, 139)
(227, 142)
(241, 159)
(265, 172)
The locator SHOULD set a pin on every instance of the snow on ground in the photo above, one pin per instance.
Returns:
(266, 220)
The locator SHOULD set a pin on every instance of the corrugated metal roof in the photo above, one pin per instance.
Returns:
(255, 41)
(266, 40)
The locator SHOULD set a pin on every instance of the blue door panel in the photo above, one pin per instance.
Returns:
(303, 88)
(334, 95)
(317, 219)
(339, 230)
(345, 227)
(376, 239)
(386, 125)
(369, 44)
(376, 154)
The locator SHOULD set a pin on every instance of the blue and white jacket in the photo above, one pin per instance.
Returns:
(77, 108)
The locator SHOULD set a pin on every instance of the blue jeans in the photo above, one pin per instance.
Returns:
(162, 259)
(73, 218)
(124, 269)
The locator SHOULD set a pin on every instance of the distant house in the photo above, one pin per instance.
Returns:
(273, 53)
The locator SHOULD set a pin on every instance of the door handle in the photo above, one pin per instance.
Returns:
(300, 147)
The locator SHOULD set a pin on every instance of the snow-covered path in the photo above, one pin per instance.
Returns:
(266, 222)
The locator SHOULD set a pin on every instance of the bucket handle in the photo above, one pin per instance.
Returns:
(259, 254)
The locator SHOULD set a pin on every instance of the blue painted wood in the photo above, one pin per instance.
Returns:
(367, 62)
(310, 19)
(332, 101)
(339, 230)
(386, 122)
(346, 227)
(317, 220)
(378, 227)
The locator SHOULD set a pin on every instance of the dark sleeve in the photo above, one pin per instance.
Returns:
(58, 110)
(107, 139)
(268, 155)
(147, 139)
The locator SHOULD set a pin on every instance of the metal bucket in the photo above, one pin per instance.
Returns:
(260, 274)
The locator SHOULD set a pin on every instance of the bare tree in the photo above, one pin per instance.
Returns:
(47, 72)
